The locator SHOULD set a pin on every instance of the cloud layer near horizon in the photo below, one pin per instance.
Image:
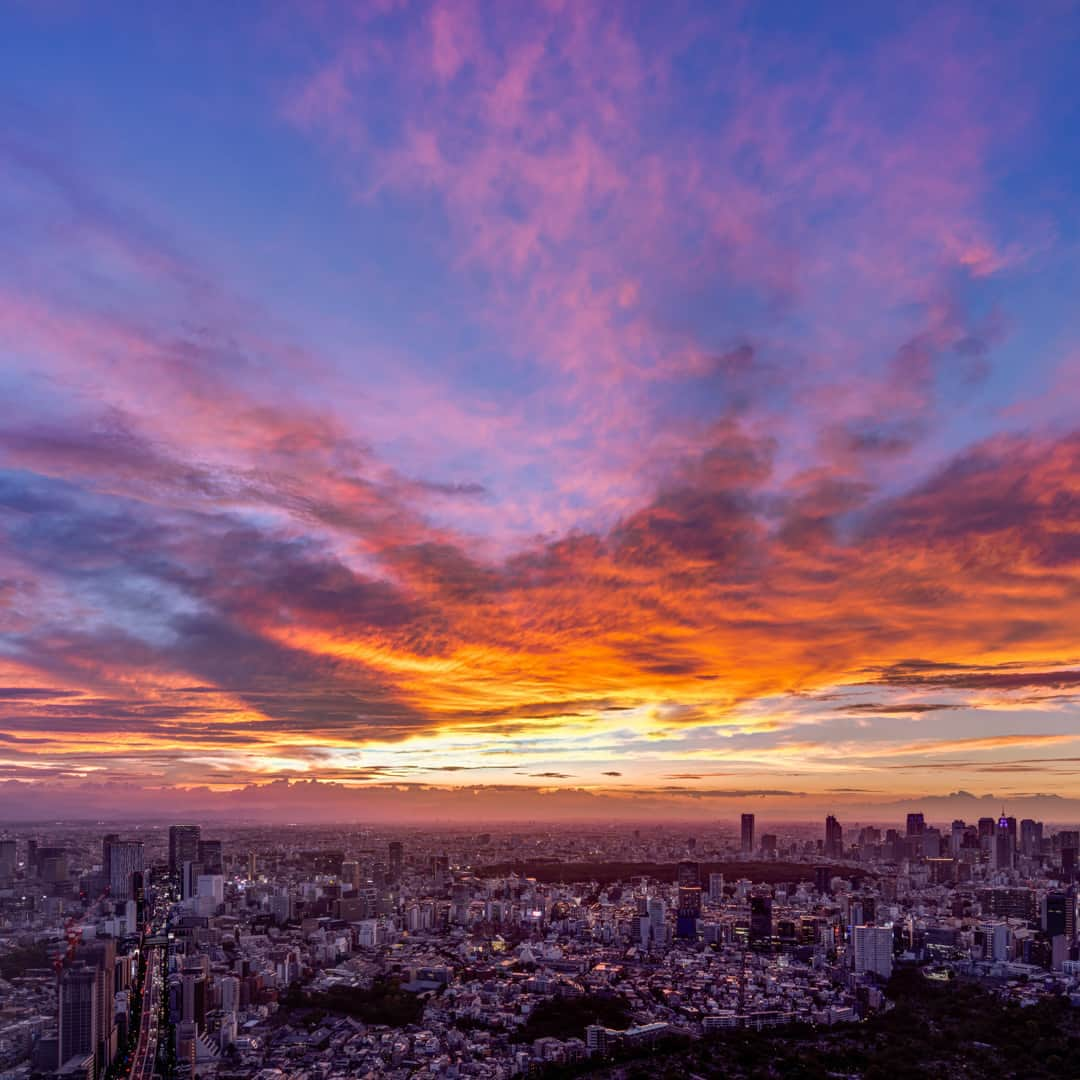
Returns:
(594, 398)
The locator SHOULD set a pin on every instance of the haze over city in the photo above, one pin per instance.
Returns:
(542, 412)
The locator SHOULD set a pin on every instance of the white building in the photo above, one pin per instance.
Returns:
(872, 948)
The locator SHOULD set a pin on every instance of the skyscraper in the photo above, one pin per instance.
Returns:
(872, 949)
(107, 842)
(747, 834)
(1005, 843)
(687, 873)
(8, 860)
(100, 953)
(1059, 915)
(822, 879)
(761, 920)
(183, 847)
(78, 1018)
(209, 854)
(834, 838)
(124, 859)
(1031, 837)
(395, 859)
(916, 824)
(688, 911)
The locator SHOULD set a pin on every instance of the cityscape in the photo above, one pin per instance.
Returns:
(539, 538)
(247, 952)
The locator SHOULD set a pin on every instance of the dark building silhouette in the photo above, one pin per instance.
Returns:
(834, 838)
(209, 854)
(761, 927)
(747, 844)
(78, 1013)
(183, 847)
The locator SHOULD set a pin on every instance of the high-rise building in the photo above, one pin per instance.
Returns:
(107, 842)
(1031, 838)
(100, 953)
(1068, 863)
(716, 888)
(1005, 843)
(124, 859)
(834, 838)
(760, 920)
(78, 1013)
(956, 837)
(747, 844)
(8, 860)
(872, 950)
(395, 859)
(209, 854)
(183, 847)
(1059, 915)
(687, 873)
(688, 911)
(916, 824)
(823, 879)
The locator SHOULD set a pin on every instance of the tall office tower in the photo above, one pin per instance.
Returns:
(688, 911)
(657, 917)
(872, 950)
(8, 860)
(350, 874)
(53, 864)
(395, 859)
(834, 838)
(760, 920)
(1031, 838)
(1068, 863)
(190, 872)
(716, 888)
(230, 994)
(823, 880)
(32, 858)
(956, 837)
(1005, 843)
(78, 1021)
(125, 858)
(107, 842)
(209, 854)
(687, 873)
(768, 844)
(183, 847)
(747, 834)
(193, 995)
(916, 825)
(100, 953)
(1059, 915)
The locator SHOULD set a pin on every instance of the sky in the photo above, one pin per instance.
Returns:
(544, 409)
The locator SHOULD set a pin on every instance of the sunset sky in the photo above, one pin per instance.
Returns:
(677, 404)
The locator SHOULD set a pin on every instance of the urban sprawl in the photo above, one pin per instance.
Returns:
(328, 952)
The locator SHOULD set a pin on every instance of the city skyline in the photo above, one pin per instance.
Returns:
(427, 412)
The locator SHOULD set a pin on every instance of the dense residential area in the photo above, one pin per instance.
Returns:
(315, 953)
